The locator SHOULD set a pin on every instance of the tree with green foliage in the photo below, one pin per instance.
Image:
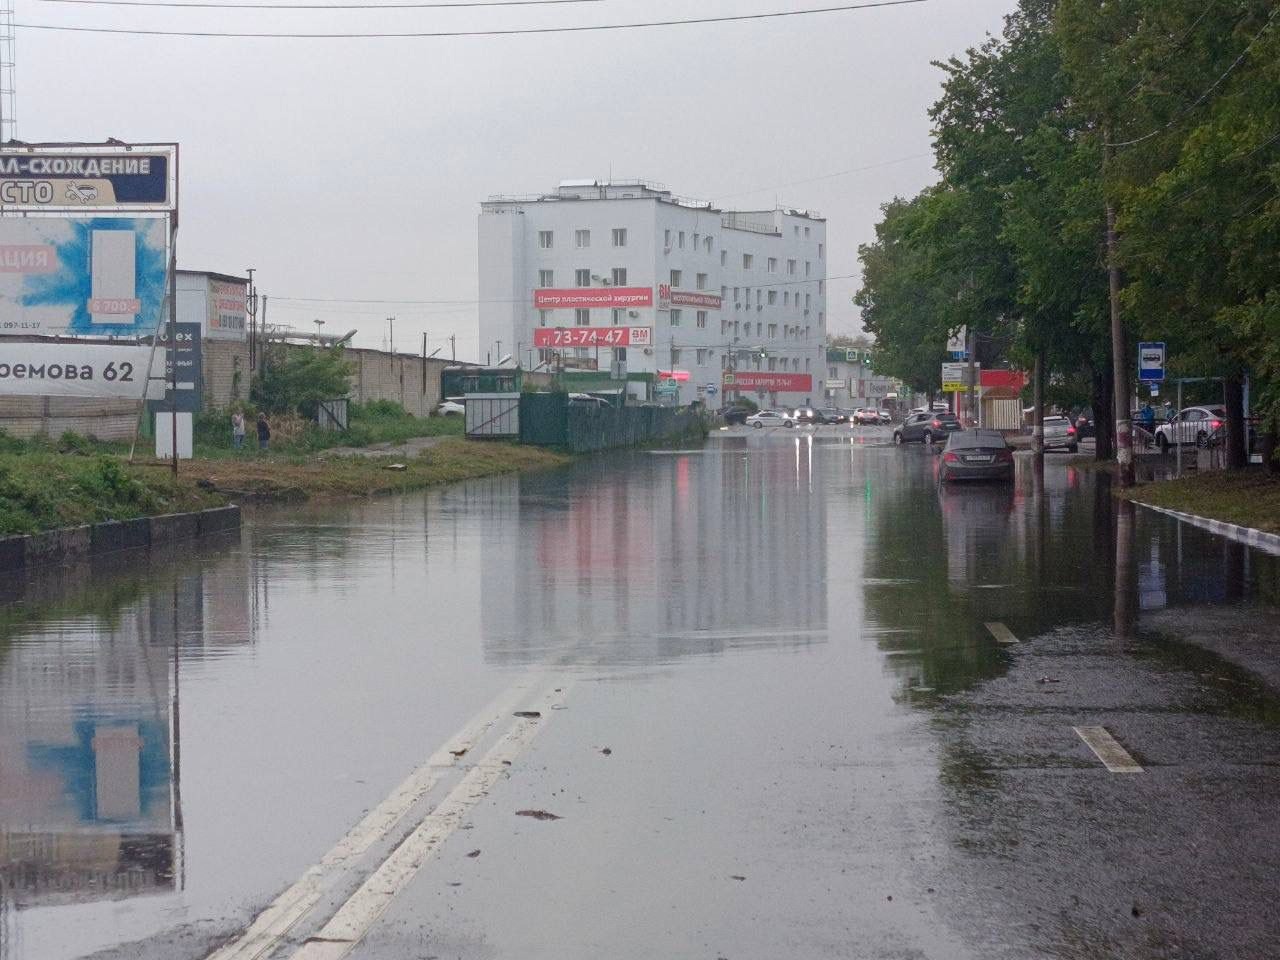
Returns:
(296, 380)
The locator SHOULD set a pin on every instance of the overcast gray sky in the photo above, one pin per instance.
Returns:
(355, 168)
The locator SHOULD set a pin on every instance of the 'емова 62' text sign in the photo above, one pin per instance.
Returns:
(592, 336)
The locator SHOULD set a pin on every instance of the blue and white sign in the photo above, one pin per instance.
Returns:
(69, 276)
(1151, 362)
(711, 389)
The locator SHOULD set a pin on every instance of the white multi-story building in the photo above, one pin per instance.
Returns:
(677, 298)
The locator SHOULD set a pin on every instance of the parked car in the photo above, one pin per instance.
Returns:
(736, 413)
(770, 418)
(808, 415)
(452, 407)
(1060, 434)
(587, 400)
(976, 455)
(884, 416)
(926, 427)
(866, 417)
(1084, 426)
(1192, 425)
(832, 415)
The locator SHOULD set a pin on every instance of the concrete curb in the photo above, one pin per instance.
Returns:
(72, 544)
(1267, 542)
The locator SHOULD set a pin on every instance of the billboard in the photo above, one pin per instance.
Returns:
(82, 275)
(592, 336)
(688, 299)
(586, 298)
(74, 369)
(955, 376)
(228, 309)
(63, 177)
(771, 382)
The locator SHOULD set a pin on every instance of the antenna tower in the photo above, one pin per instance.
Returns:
(8, 110)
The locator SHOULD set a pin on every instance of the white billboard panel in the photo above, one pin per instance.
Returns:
(67, 276)
(73, 369)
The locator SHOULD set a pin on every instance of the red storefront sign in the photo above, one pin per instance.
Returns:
(587, 298)
(687, 299)
(769, 382)
(592, 336)
(678, 375)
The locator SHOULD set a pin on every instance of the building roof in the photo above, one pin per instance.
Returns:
(634, 188)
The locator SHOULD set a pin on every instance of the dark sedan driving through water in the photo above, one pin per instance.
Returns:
(976, 455)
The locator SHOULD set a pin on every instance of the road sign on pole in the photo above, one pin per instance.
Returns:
(1151, 362)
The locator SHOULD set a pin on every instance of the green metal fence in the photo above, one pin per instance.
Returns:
(548, 419)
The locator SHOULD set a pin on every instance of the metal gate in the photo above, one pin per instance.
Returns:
(493, 415)
(332, 414)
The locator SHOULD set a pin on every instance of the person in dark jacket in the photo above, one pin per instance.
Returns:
(264, 432)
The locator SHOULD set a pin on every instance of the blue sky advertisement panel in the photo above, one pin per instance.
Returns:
(101, 276)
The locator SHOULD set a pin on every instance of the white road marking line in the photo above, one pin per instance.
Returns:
(1002, 633)
(290, 906)
(1105, 747)
(355, 917)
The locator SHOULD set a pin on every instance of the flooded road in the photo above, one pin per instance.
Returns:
(777, 696)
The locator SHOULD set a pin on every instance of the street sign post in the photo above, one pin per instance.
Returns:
(1151, 362)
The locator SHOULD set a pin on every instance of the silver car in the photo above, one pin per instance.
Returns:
(769, 418)
(1060, 434)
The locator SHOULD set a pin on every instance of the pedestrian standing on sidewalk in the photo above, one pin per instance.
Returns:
(264, 432)
(237, 429)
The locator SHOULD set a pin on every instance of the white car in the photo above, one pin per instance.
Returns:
(769, 418)
(884, 416)
(1192, 425)
(452, 407)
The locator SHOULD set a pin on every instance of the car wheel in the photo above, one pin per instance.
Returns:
(1202, 440)
(758, 425)
(788, 423)
(1163, 443)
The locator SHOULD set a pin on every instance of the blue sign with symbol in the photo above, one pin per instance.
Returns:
(1151, 362)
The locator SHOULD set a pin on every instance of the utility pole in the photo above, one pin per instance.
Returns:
(972, 346)
(1037, 414)
(251, 307)
(262, 347)
(453, 347)
(391, 334)
(1119, 359)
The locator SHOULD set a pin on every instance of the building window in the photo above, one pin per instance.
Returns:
(796, 228)
(723, 290)
(619, 276)
(620, 354)
(795, 363)
(582, 278)
(759, 298)
(675, 356)
(582, 317)
(822, 286)
(724, 258)
(702, 319)
(822, 319)
(707, 242)
(831, 372)
(806, 364)
(617, 316)
(735, 294)
(759, 328)
(791, 268)
(806, 332)
(580, 352)
(546, 278)
(806, 233)
(773, 297)
(821, 248)
(675, 318)
(806, 301)
(786, 298)
(546, 239)
(808, 268)
(773, 363)
(544, 318)
(666, 239)
(546, 356)
(582, 239)
(681, 236)
(773, 331)
(724, 326)
(619, 236)
(747, 261)
(675, 279)
(772, 264)
(695, 241)
(702, 357)
(700, 281)
(755, 360)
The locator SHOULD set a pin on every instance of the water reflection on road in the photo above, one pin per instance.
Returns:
(163, 723)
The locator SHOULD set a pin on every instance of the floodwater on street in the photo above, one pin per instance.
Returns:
(777, 696)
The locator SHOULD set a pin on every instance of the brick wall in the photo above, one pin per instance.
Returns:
(24, 417)
(225, 372)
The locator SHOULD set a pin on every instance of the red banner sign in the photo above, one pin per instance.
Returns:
(685, 298)
(770, 382)
(592, 336)
(579, 298)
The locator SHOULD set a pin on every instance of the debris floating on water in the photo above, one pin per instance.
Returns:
(528, 714)
(538, 814)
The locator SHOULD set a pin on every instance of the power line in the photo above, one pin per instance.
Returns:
(825, 176)
(1204, 96)
(228, 34)
(250, 5)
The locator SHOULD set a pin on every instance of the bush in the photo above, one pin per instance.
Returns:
(296, 381)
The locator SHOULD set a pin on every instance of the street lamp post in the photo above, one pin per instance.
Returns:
(319, 323)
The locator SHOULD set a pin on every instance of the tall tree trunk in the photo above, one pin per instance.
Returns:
(1237, 443)
(1103, 426)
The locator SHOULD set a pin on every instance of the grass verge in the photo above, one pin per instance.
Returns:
(42, 491)
(1250, 498)
(305, 478)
